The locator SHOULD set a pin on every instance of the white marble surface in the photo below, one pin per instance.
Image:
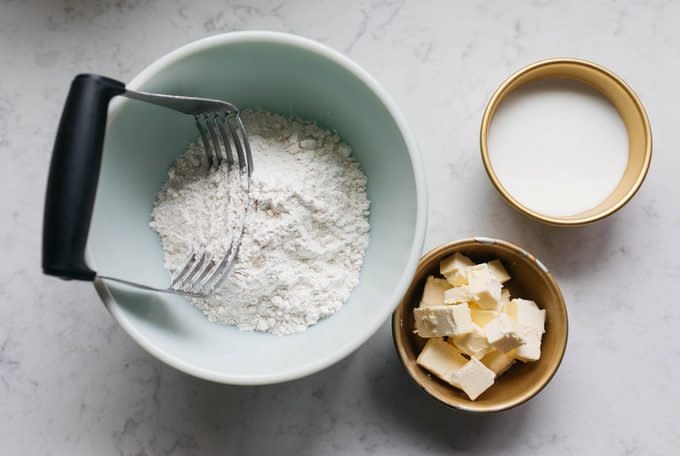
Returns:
(71, 382)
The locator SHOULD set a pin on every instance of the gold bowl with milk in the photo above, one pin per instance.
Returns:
(625, 102)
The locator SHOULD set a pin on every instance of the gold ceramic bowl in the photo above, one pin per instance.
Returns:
(621, 97)
(530, 280)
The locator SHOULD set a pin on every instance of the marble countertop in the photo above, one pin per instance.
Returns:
(71, 382)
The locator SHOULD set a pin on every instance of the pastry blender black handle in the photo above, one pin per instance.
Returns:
(73, 176)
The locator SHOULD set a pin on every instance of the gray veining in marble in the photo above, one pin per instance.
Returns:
(71, 382)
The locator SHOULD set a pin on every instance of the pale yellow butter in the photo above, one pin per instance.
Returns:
(505, 299)
(527, 315)
(484, 286)
(503, 333)
(531, 350)
(457, 279)
(481, 317)
(433, 293)
(498, 271)
(439, 321)
(457, 295)
(498, 361)
(473, 344)
(452, 264)
(440, 358)
(444, 361)
(531, 321)
(474, 378)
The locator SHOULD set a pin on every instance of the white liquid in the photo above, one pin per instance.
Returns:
(558, 147)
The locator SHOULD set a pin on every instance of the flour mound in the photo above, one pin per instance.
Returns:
(306, 229)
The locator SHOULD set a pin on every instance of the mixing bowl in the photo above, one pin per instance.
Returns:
(284, 74)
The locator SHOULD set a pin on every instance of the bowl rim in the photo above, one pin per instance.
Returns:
(474, 407)
(255, 36)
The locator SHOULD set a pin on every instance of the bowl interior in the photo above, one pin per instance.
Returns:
(529, 281)
(279, 73)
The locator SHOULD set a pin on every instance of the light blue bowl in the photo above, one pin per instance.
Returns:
(284, 74)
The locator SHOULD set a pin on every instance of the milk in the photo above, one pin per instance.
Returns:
(558, 147)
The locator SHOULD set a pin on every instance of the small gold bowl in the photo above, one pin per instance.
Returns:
(621, 97)
(530, 280)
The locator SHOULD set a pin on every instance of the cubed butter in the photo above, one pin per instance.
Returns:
(481, 317)
(474, 378)
(438, 321)
(457, 279)
(452, 264)
(484, 286)
(531, 350)
(477, 269)
(473, 344)
(503, 333)
(458, 295)
(498, 271)
(433, 293)
(440, 358)
(505, 299)
(527, 315)
(531, 321)
(498, 361)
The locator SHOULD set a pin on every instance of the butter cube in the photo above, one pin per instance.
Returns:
(438, 321)
(452, 264)
(498, 271)
(444, 361)
(440, 358)
(485, 286)
(482, 317)
(498, 361)
(473, 344)
(505, 299)
(478, 269)
(531, 350)
(433, 293)
(474, 378)
(503, 333)
(527, 315)
(460, 294)
(457, 279)
(531, 321)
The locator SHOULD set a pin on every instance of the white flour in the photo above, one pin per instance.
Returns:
(306, 230)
